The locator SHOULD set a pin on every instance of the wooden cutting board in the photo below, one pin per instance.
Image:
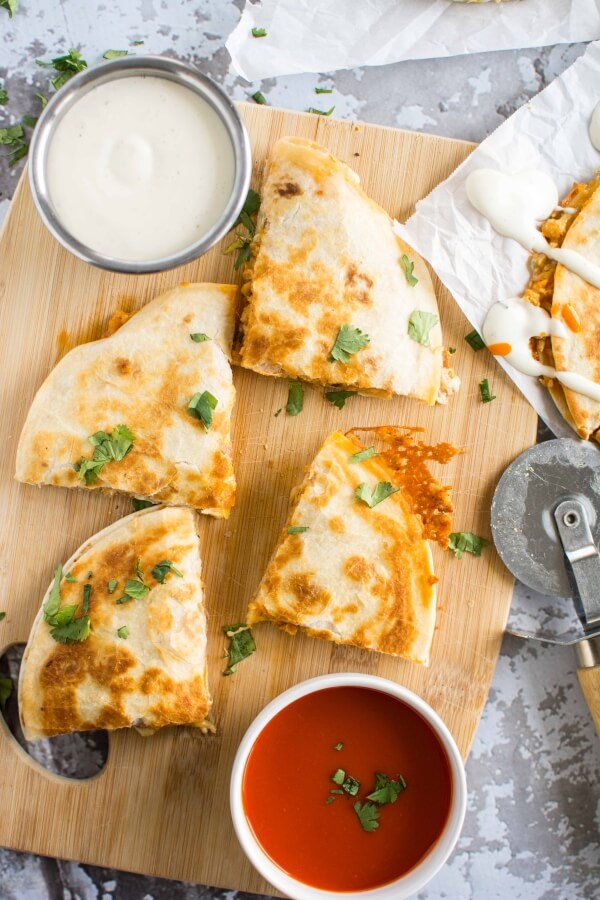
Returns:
(160, 806)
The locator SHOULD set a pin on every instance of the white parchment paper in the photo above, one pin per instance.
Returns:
(324, 35)
(477, 265)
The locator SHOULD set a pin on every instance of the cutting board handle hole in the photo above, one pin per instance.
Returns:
(75, 757)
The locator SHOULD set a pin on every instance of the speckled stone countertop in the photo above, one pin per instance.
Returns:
(532, 829)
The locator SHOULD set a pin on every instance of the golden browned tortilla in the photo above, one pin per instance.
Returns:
(326, 256)
(143, 376)
(572, 301)
(144, 661)
(356, 574)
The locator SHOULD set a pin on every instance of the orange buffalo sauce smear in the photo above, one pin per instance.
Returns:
(287, 781)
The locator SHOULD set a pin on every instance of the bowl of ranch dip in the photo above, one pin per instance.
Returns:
(140, 164)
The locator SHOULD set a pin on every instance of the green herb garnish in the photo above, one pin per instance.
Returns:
(123, 631)
(201, 407)
(408, 267)
(259, 32)
(3, 97)
(241, 645)
(136, 504)
(297, 529)
(382, 491)
(484, 390)
(387, 790)
(349, 341)
(10, 5)
(368, 815)
(108, 447)
(338, 398)
(420, 324)
(138, 569)
(67, 66)
(322, 90)
(338, 746)
(87, 593)
(43, 100)
(2, 616)
(295, 400)
(13, 137)
(133, 590)
(162, 569)
(320, 112)
(369, 453)
(111, 585)
(6, 689)
(71, 578)
(114, 54)
(242, 242)
(474, 340)
(199, 337)
(338, 776)
(466, 542)
(451, 349)
(278, 412)
(259, 98)
(351, 786)
(52, 604)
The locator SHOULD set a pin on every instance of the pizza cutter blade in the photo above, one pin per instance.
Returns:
(545, 521)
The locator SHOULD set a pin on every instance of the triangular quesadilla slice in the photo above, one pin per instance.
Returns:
(120, 639)
(352, 564)
(333, 295)
(573, 302)
(147, 410)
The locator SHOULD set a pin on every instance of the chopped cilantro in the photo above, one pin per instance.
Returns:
(111, 585)
(71, 630)
(13, 137)
(133, 590)
(369, 453)
(474, 340)
(107, 448)
(29, 121)
(368, 815)
(278, 412)
(43, 100)
(201, 407)
(71, 578)
(10, 5)
(6, 689)
(338, 776)
(66, 66)
(297, 529)
(162, 569)
(199, 337)
(87, 593)
(484, 390)
(322, 90)
(387, 789)
(2, 616)
(338, 398)
(349, 341)
(372, 497)
(123, 631)
(451, 349)
(259, 32)
(242, 242)
(408, 267)
(250, 208)
(138, 569)
(338, 746)
(241, 646)
(3, 97)
(114, 54)
(320, 112)
(259, 98)
(141, 504)
(420, 324)
(295, 400)
(52, 604)
(466, 542)
(351, 786)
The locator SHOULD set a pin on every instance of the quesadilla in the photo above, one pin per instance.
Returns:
(333, 296)
(573, 302)
(120, 639)
(352, 564)
(147, 410)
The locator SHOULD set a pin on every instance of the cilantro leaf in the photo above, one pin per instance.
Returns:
(338, 776)
(242, 242)
(2, 616)
(123, 631)
(484, 390)
(338, 398)
(162, 569)
(135, 589)
(408, 267)
(13, 137)
(338, 746)
(466, 542)
(67, 66)
(87, 593)
(114, 54)
(387, 790)
(474, 340)
(250, 207)
(3, 97)
(349, 341)
(71, 578)
(320, 112)
(141, 504)
(369, 453)
(201, 407)
(10, 5)
(295, 400)
(259, 32)
(52, 604)
(297, 529)
(199, 337)
(138, 569)
(259, 98)
(382, 491)
(107, 448)
(75, 630)
(419, 326)
(241, 646)
(368, 815)
(322, 90)
(351, 786)
(111, 585)
(6, 689)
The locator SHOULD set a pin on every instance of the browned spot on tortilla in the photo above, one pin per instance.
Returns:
(288, 189)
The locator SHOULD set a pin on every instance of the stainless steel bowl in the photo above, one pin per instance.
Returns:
(126, 67)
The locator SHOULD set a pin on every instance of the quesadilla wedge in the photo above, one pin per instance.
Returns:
(353, 564)
(133, 651)
(572, 301)
(115, 413)
(333, 296)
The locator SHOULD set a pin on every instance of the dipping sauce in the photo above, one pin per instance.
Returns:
(140, 168)
(288, 779)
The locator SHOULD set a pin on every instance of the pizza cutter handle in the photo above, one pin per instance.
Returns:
(588, 673)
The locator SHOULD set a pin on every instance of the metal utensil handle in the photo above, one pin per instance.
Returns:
(581, 551)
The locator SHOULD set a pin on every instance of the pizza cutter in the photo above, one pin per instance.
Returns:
(545, 521)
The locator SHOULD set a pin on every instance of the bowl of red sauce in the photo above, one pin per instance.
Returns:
(348, 784)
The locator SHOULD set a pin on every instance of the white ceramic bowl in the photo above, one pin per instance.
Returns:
(403, 887)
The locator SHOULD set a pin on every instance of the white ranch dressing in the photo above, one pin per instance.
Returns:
(140, 168)
(594, 127)
(513, 204)
(514, 322)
